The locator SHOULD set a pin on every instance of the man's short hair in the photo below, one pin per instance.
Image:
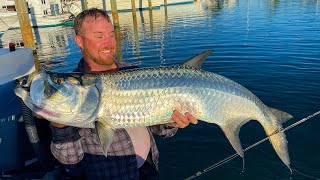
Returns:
(88, 13)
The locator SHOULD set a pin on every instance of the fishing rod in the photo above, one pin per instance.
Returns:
(220, 163)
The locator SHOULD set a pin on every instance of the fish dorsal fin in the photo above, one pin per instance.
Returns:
(197, 60)
(281, 116)
(105, 135)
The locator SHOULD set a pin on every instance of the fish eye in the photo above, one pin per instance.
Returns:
(58, 80)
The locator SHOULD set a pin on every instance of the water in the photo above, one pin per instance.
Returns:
(270, 47)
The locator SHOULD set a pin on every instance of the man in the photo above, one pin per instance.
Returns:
(133, 153)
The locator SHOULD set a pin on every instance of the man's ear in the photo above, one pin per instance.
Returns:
(79, 41)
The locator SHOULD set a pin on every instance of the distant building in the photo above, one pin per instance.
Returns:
(36, 7)
(7, 5)
(45, 7)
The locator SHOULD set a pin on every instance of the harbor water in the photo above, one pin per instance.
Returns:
(270, 47)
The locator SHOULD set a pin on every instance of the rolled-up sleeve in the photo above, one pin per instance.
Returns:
(66, 145)
(163, 130)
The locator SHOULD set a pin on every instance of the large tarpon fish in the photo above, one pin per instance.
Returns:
(148, 96)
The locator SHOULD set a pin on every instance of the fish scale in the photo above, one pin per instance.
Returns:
(152, 90)
(216, 99)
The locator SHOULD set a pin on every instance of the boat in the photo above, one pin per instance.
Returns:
(21, 60)
(43, 21)
(41, 13)
(23, 154)
(7, 19)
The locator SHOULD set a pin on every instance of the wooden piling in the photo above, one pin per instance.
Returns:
(104, 5)
(25, 25)
(26, 30)
(84, 4)
(114, 10)
(166, 18)
(150, 18)
(150, 5)
(166, 12)
(135, 26)
(134, 10)
(165, 3)
(119, 42)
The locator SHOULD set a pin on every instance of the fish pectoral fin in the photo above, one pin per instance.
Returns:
(281, 116)
(105, 135)
(197, 60)
(232, 133)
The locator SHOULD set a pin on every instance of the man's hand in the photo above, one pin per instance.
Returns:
(182, 121)
(57, 125)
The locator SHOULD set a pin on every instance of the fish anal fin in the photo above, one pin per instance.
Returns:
(232, 133)
(197, 60)
(105, 135)
(281, 116)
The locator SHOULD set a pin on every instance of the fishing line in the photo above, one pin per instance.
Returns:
(253, 145)
(305, 175)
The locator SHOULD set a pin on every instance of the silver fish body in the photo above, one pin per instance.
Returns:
(148, 96)
(145, 97)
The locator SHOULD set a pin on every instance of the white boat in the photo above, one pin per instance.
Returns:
(7, 19)
(42, 21)
(41, 14)
(15, 64)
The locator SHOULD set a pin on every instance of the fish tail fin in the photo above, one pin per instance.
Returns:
(277, 138)
(279, 143)
(281, 116)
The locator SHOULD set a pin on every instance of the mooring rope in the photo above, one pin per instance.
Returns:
(250, 147)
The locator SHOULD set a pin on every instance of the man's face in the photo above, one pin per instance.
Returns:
(97, 41)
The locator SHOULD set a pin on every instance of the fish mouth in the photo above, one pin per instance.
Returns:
(69, 99)
(42, 111)
(25, 96)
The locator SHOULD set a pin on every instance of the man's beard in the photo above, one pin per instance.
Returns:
(102, 61)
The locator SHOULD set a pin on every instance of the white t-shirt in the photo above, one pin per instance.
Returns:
(141, 142)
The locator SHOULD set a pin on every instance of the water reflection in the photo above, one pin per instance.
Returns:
(270, 47)
(119, 42)
(135, 28)
(151, 21)
(217, 5)
(51, 42)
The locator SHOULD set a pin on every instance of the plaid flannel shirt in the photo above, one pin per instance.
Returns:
(71, 145)
(79, 148)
